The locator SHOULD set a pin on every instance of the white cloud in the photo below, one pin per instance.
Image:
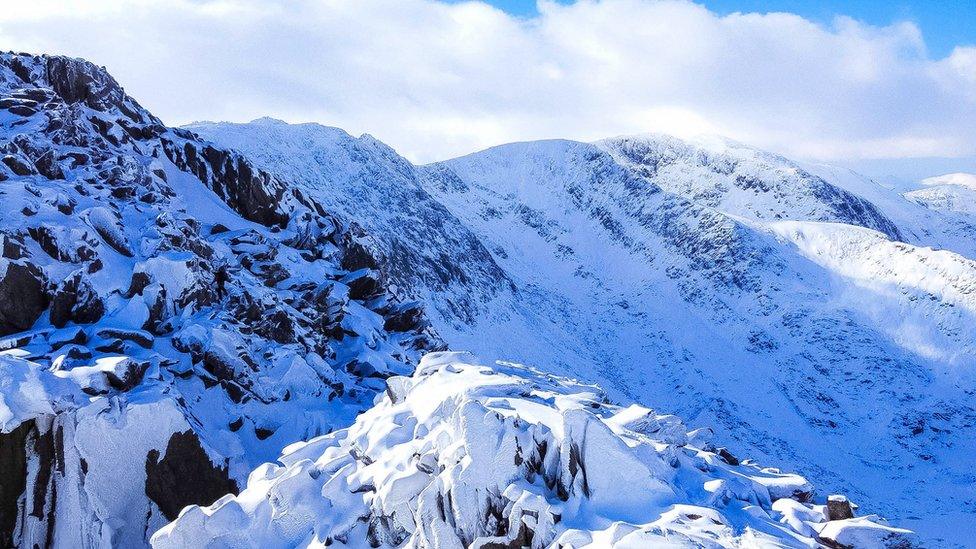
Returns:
(437, 80)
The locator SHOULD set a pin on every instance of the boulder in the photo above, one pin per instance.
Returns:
(185, 475)
(18, 165)
(75, 300)
(363, 284)
(839, 508)
(47, 238)
(139, 337)
(22, 296)
(13, 247)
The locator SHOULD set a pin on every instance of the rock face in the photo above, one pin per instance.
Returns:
(412, 233)
(130, 388)
(465, 455)
(75, 300)
(13, 462)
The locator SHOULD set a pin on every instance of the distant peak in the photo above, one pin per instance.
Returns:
(960, 179)
(267, 120)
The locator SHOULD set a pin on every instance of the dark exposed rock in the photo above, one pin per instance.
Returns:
(127, 374)
(47, 165)
(278, 326)
(839, 508)
(13, 481)
(13, 247)
(727, 456)
(143, 339)
(114, 346)
(157, 313)
(185, 476)
(75, 300)
(363, 284)
(405, 317)
(18, 165)
(252, 193)
(76, 336)
(46, 239)
(78, 81)
(272, 274)
(22, 296)
(357, 255)
(137, 284)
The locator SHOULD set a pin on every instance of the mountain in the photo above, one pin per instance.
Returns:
(130, 387)
(801, 308)
(232, 335)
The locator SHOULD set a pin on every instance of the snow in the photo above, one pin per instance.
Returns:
(23, 393)
(465, 455)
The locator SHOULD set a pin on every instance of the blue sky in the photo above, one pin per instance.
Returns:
(944, 23)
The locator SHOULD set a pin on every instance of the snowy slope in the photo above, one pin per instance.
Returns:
(128, 387)
(736, 323)
(742, 181)
(731, 286)
(362, 179)
(464, 455)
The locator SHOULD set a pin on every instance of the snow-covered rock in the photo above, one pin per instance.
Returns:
(465, 455)
(129, 387)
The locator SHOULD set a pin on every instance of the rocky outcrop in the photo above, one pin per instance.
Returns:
(137, 366)
(252, 193)
(13, 463)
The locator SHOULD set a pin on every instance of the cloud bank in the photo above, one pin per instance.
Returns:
(437, 80)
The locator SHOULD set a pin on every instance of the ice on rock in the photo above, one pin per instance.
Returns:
(464, 455)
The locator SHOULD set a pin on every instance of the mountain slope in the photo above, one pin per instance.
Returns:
(729, 286)
(364, 180)
(751, 331)
(173, 316)
(130, 386)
